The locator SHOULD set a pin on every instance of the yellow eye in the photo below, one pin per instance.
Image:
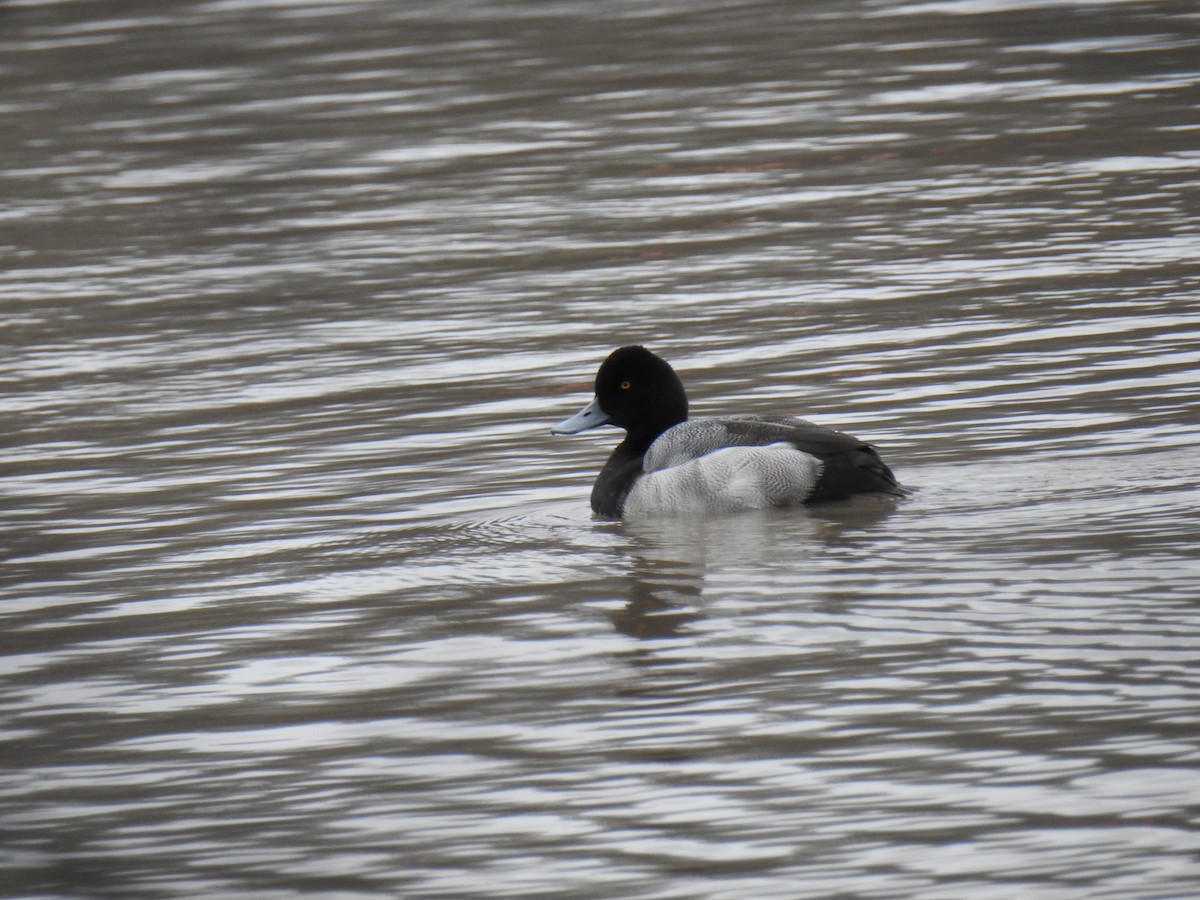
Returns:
(625, 385)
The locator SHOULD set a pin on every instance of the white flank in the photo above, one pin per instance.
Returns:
(727, 480)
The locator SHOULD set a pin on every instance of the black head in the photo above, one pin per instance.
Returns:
(641, 393)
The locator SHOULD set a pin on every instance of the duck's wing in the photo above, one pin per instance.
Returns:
(849, 466)
(700, 437)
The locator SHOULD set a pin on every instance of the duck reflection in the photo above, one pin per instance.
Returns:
(662, 599)
(676, 561)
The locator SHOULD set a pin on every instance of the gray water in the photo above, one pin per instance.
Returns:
(301, 598)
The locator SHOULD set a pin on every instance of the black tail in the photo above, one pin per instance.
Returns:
(857, 471)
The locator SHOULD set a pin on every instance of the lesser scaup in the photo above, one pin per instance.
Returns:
(669, 465)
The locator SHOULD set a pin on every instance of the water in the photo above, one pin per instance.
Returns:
(300, 597)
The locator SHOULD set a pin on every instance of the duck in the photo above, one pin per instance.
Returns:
(669, 464)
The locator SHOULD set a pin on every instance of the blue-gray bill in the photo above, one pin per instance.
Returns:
(591, 416)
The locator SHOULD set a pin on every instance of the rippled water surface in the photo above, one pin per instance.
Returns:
(300, 597)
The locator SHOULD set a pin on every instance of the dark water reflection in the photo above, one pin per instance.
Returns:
(300, 597)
